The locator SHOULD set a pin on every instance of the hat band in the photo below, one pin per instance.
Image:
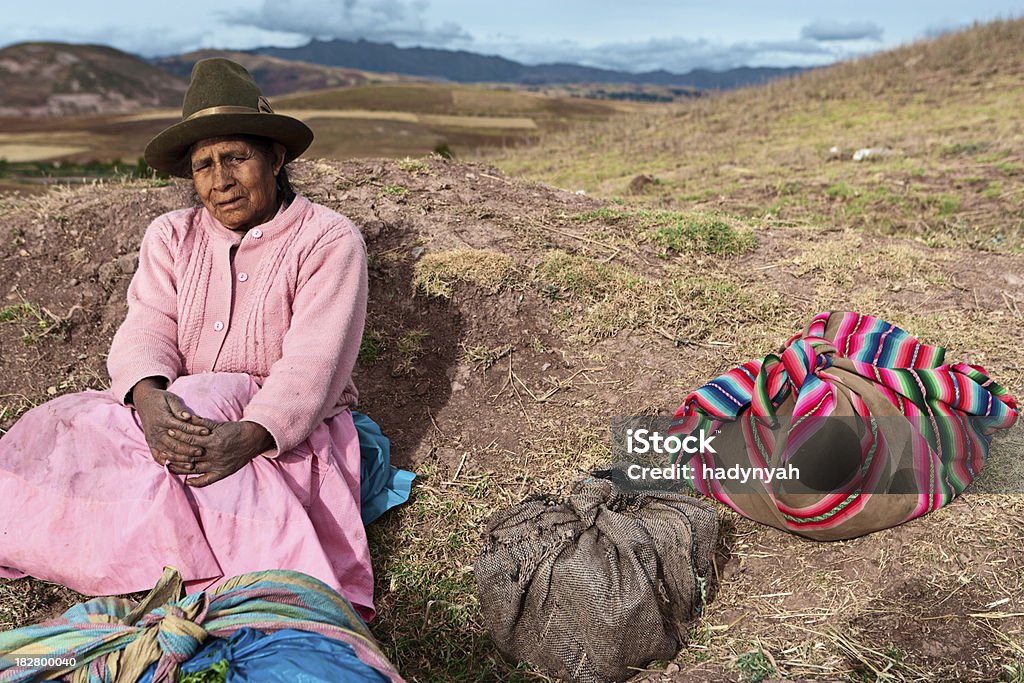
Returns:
(264, 108)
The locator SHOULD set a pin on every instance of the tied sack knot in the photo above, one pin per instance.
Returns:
(801, 365)
(176, 632)
(804, 358)
(178, 635)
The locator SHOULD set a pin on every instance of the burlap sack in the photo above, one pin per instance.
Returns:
(594, 585)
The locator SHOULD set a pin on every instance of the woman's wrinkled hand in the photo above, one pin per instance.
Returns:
(229, 447)
(170, 427)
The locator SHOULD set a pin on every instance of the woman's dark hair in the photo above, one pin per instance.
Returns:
(265, 147)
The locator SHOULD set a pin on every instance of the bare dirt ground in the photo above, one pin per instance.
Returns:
(504, 381)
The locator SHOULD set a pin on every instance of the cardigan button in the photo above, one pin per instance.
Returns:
(257, 233)
(218, 326)
(242, 277)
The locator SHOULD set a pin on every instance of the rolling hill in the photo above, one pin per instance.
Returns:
(392, 119)
(59, 79)
(941, 116)
(277, 76)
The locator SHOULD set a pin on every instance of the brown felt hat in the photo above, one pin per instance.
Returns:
(223, 99)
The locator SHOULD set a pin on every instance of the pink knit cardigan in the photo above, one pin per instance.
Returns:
(285, 304)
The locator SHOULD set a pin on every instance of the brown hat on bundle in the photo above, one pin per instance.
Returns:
(223, 99)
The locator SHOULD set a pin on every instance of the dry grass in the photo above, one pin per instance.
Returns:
(436, 273)
(28, 601)
(688, 304)
(953, 173)
(827, 615)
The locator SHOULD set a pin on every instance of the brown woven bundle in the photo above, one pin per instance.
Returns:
(591, 586)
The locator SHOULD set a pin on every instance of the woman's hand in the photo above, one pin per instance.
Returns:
(170, 427)
(228, 447)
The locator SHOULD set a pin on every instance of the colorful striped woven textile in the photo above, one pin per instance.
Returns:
(917, 429)
(115, 640)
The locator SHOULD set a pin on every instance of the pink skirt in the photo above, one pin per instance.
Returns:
(83, 503)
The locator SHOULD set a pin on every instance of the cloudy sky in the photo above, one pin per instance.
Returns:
(633, 35)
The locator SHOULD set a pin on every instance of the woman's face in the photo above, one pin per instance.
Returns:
(235, 181)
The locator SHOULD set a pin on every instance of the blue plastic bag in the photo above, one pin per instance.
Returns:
(381, 486)
(285, 656)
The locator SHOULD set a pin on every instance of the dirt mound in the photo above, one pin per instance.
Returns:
(508, 323)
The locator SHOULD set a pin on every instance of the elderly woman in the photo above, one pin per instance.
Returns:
(226, 443)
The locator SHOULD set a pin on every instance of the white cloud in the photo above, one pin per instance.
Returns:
(406, 23)
(151, 42)
(411, 22)
(678, 55)
(403, 22)
(829, 30)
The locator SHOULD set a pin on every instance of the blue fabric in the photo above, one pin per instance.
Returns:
(285, 656)
(381, 485)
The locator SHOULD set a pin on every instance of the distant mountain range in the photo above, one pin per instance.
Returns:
(60, 79)
(469, 67)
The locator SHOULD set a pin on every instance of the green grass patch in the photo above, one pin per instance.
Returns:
(993, 157)
(947, 204)
(787, 188)
(966, 148)
(371, 347)
(217, 673)
(1010, 168)
(410, 349)
(684, 234)
(605, 214)
(414, 167)
(437, 273)
(877, 201)
(562, 274)
(72, 169)
(993, 190)
(680, 232)
(17, 311)
(841, 190)
(755, 666)
(394, 191)
(611, 297)
(969, 181)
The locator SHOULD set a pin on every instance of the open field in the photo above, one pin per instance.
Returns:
(390, 120)
(510, 320)
(948, 165)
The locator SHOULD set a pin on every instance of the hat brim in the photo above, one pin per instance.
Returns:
(166, 152)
